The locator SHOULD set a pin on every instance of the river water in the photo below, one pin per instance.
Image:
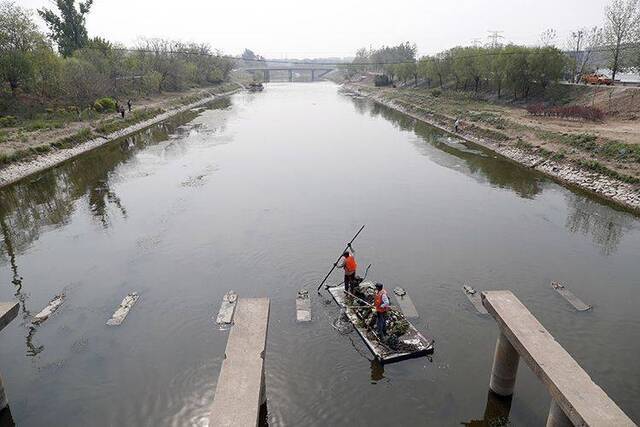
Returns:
(259, 193)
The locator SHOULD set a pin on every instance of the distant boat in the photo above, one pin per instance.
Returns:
(256, 87)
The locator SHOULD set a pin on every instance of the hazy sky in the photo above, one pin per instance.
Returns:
(298, 28)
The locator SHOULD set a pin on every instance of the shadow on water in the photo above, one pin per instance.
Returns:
(48, 199)
(496, 412)
(605, 223)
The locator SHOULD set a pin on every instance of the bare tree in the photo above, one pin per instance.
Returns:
(548, 37)
(622, 19)
(581, 44)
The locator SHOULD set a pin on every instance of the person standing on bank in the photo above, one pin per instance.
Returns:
(350, 265)
(381, 303)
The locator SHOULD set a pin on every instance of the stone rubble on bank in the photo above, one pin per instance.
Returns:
(625, 194)
(18, 170)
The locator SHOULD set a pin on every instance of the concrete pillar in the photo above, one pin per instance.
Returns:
(290, 75)
(557, 417)
(505, 367)
(4, 402)
(313, 75)
(267, 76)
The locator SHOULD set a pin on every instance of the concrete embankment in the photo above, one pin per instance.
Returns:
(16, 171)
(622, 193)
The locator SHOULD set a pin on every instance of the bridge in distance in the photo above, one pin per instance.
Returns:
(316, 72)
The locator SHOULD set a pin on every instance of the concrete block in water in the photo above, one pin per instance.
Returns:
(576, 302)
(405, 303)
(8, 312)
(303, 306)
(225, 315)
(51, 308)
(475, 299)
(121, 312)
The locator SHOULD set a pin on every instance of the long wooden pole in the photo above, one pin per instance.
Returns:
(340, 256)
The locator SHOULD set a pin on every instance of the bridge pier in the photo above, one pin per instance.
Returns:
(313, 75)
(576, 399)
(505, 367)
(556, 417)
(290, 75)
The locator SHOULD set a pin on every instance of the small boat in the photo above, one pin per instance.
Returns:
(255, 87)
(404, 341)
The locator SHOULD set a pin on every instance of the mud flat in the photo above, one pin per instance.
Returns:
(622, 193)
(16, 171)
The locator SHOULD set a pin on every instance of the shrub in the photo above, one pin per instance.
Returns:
(436, 92)
(105, 105)
(568, 111)
(7, 121)
(382, 80)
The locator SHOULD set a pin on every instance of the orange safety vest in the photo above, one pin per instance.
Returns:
(378, 301)
(350, 265)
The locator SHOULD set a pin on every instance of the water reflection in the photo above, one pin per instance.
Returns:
(50, 198)
(479, 163)
(377, 371)
(605, 225)
(6, 420)
(48, 201)
(496, 413)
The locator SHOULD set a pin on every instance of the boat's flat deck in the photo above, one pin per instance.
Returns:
(380, 351)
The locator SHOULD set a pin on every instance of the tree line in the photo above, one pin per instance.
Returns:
(512, 67)
(83, 69)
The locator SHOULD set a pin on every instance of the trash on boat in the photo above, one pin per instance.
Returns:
(403, 340)
(123, 310)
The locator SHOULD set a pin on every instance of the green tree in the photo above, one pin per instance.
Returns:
(546, 65)
(68, 29)
(19, 39)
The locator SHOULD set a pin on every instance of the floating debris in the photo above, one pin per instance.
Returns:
(475, 299)
(228, 307)
(405, 303)
(121, 312)
(303, 306)
(403, 341)
(51, 308)
(576, 302)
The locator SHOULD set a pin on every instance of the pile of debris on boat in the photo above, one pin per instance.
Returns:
(255, 87)
(402, 341)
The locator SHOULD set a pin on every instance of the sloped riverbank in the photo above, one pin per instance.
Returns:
(14, 172)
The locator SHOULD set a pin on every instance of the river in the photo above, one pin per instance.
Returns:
(259, 193)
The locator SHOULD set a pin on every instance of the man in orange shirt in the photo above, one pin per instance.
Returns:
(350, 265)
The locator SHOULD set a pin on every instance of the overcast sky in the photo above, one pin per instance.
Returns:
(299, 28)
